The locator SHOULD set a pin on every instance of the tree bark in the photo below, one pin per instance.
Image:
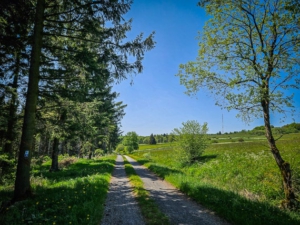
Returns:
(22, 182)
(54, 164)
(290, 201)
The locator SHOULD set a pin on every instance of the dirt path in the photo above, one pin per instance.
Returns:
(120, 206)
(173, 203)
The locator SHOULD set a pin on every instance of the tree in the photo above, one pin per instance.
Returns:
(13, 61)
(70, 26)
(120, 149)
(22, 182)
(191, 141)
(131, 140)
(128, 149)
(248, 57)
(146, 140)
(152, 140)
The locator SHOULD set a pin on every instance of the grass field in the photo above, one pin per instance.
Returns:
(74, 195)
(238, 180)
(157, 146)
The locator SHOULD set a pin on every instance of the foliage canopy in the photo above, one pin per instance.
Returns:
(131, 141)
(247, 48)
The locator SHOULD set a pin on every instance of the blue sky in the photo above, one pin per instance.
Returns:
(156, 102)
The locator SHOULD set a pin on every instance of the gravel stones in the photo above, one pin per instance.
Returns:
(172, 202)
(121, 206)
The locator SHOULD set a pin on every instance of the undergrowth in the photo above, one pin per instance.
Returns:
(73, 195)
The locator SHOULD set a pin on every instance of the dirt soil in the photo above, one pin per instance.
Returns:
(121, 207)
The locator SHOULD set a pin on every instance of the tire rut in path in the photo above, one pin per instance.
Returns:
(172, 202)
(121, 207)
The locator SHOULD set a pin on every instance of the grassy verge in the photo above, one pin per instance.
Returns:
(149, 209)
(239, 181)
(74, 195)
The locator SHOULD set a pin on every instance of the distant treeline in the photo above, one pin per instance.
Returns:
(260, 130)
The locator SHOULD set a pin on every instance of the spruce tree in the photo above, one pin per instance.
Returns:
(152, 140)
(75, 31)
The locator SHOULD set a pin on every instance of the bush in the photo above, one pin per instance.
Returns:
(120, 149)
(128, 149)
(131, 139)
(40, 160)
(214, 141)
(241, 140)
(99, 152)
(191, 141)
(147, 156)
(67, 161)
(7, 169)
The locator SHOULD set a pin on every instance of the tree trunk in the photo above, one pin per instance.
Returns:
(290, 201)
(54, 164)
(22, 182)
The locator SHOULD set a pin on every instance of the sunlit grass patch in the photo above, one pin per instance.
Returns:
(74, 195)
(240, 181)
(157, 146)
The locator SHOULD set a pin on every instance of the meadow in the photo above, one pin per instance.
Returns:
(74, 195)
(239, 180)
(157, 146)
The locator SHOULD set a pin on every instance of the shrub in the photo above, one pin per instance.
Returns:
(191, 141)
(128, 149)
(99, 152)
(147, 156)
(241, 140)
(67, 162)
(120, 149)
(7, 169)
(131, 139)
(214, 141)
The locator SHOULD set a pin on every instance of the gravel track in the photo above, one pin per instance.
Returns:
(120, 205)
(172, 202)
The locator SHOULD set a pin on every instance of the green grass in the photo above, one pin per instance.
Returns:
(149, 209)
(247, 137)
(157, 146)
(240, 181)
(74, 195)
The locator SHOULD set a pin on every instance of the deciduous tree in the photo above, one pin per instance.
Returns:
(131, 139)
(248, 58)
(191, 141)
